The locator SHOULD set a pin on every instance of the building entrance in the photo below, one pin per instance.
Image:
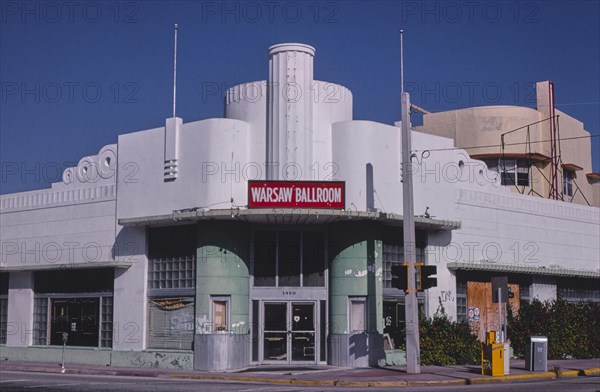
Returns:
(289, 332)
(79, 318)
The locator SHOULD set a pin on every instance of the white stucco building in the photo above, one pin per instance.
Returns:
(151, 252)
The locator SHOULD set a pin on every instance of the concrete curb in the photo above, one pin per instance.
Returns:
(325, 383)
(402, 383)
(294, 381)
(515, 378)
(591, 371)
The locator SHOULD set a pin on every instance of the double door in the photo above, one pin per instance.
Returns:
(289, 332)
(79, 318)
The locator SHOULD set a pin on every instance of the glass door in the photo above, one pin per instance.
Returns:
(275, 332)
(289, 332)
(303, 331)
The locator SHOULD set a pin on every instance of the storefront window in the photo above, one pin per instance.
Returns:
(75, 302)
(171, 287)
(79, 318)
(289, 259)
(313, 256)
(171, 323)
(265, 259)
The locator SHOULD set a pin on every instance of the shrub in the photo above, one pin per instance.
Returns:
(445, 342)
(572, 328)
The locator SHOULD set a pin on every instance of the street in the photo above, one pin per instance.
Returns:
(11, 381)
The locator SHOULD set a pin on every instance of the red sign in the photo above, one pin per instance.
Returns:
(296, 194)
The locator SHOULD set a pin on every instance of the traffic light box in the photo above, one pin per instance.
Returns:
(425, 276)
(428, 276)
(400, 277)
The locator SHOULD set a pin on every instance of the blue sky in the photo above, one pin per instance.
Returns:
(74, 75)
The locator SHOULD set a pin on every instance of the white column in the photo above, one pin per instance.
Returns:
(290, 112)
(130, 291)
(20, 309)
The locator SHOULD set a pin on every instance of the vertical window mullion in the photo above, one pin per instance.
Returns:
(325, 259)
(100, 319)
(48, 319)
(301, 259)
(277, 258)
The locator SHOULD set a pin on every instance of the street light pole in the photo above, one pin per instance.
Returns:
(413, 355)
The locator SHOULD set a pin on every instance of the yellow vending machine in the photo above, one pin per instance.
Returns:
(492, 356)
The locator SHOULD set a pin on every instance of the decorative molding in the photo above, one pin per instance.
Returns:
(530, 204)
(54, 198)
(101, 167)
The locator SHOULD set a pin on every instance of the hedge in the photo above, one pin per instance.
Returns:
(573, 329)
(445, 342)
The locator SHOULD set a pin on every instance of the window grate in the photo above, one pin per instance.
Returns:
(106, 329)
(579, 294)
(40, 321)
(394, 255)
(461, 308)
(461, 301)
(172, 273)
(3, 319)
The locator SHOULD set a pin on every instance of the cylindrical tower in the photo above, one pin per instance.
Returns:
(290, 112)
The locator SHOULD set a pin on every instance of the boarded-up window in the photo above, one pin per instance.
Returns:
(358, 314)
(220, 315)
(479, 298)
(171, 323)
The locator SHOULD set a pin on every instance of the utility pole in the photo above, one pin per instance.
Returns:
(413, 353)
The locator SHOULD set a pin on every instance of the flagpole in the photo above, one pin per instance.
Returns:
(175, 71)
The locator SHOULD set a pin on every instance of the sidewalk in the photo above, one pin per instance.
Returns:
(335, 376)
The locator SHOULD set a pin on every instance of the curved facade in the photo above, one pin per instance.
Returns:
(520, 143)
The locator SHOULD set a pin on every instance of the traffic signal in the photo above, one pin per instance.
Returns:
(400, 277)
(428, 279)
(500, 283)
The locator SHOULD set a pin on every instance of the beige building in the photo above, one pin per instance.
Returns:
(541, 152)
